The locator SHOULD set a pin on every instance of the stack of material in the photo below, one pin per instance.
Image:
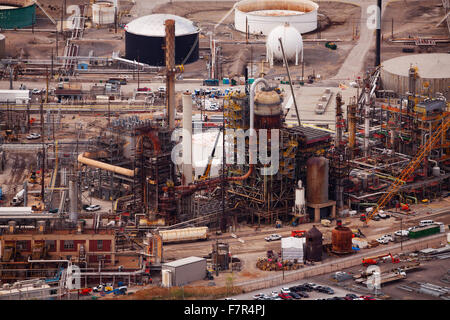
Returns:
(341, 276)
(292, 248)
(267, 264)
(360, 243)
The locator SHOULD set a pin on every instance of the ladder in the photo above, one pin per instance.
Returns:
(410, 168)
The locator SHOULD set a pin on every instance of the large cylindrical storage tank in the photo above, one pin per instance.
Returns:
(317, 180)
(2, 46)
(313, 245)
(433, 71)
(103, 12)
(17, 14)
(341, 239)
(261, 16)
(145, 39)
(292, 44)
(268, 109)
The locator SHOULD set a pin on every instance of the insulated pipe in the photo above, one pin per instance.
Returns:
(108, 167)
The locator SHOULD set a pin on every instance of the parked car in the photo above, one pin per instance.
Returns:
(383, 240)
(273, 237)
(35, 91)
(33, 136)
(302, 294)
(389, 237)
(310, 285)
(412, 228)
(324, 289)
(351, 296)
(274, 293)
(258, 296)
(401, 233)
(285, 290)
(295, 295)
(285, 296)
(304, 288)
(93, 207)
(383, 215)
(367, 298)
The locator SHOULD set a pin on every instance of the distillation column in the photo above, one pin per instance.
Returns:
(170, 71)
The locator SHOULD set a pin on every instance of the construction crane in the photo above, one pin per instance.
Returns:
(409, 169)
(207, 171)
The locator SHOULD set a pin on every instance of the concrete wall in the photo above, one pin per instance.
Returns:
(434, 241)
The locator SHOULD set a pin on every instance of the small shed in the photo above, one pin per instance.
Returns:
(184, 271)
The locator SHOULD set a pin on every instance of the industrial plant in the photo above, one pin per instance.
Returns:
(224, 149)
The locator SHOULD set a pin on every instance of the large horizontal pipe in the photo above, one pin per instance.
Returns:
(108, 167)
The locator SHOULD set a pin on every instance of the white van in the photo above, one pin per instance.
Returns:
(424, 223)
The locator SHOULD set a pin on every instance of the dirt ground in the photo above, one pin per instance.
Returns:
(411, 19)
(318, 59)
(255, 246)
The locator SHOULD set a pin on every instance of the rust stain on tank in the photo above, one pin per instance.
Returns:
(341, 240)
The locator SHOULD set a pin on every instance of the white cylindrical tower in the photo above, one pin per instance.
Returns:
(292, 44)
(187, 137)
(300, 202)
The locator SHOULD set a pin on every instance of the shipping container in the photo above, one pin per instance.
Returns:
(424, 231)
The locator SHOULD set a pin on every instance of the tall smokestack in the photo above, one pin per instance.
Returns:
(170, 71)
(378, 49)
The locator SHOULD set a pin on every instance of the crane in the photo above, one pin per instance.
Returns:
(410, 168)
(207, 171)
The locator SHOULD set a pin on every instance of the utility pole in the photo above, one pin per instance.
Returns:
(43, 153)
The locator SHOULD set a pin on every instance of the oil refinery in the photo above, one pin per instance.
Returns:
(228, 149)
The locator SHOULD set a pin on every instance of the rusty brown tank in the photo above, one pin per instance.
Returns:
(317, 180)
(313, 245)
(341, 239)
(268, 109)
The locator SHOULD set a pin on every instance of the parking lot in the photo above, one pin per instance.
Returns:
(269, 293)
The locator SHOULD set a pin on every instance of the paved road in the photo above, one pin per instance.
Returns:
(353, 65)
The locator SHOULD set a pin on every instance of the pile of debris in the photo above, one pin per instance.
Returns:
(267, 264)
(273, 263)
(428, 289)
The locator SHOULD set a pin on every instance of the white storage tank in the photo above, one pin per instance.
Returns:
(103, 13)
(261, 16)
(292, 44)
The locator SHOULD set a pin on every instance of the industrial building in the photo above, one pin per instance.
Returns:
(98, 141)
(183, 271)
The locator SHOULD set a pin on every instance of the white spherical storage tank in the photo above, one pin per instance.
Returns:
(261, 16)
(292, 44)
